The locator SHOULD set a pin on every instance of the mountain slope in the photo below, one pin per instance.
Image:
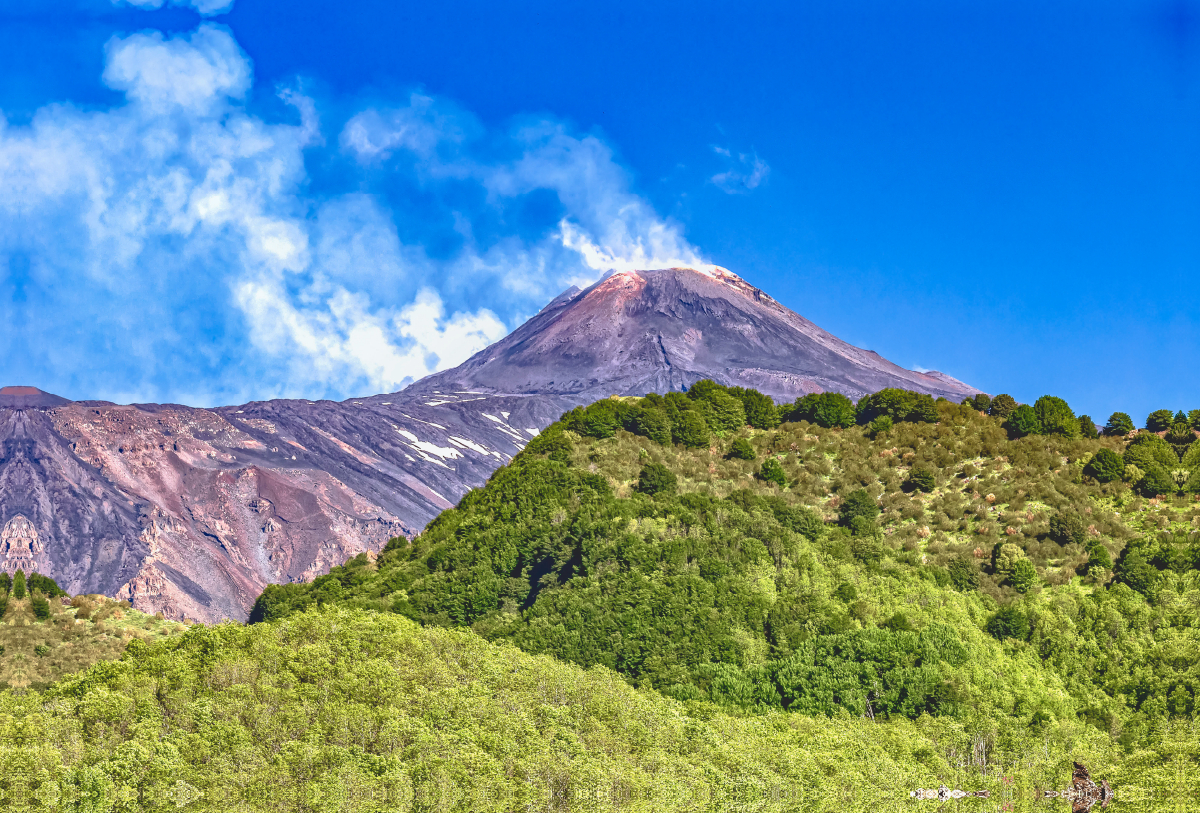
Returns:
(662, 330)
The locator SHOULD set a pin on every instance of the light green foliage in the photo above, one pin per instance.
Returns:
(1024, 576)
(1056, 417)
(772, 472)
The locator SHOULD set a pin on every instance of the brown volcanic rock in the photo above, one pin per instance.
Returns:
(192, 512)
(654, 331)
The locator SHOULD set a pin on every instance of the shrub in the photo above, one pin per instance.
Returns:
(1087, 427)
(921, 478)
(772, 472)
(655, 478)
(846, 593)
(1008, 622)
(40, 605)
(1002, 406)
(18, 590)
(964, 573)
(1119, 425)
(1148, 449)
(1098, 556)
(898, 623)
(880, 425)
(1023, 421)
(1056, 417)
(866, 544)
(1105, 466)
(858, 503)
(982, 402)
(742, 450)
(41, 650)
(1067, 527)
(1157, 480)
(1160, 420)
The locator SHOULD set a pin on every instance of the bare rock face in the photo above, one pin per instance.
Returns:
(192, 512)
(654, 331)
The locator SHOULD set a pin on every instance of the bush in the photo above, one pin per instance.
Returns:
(1067, 527)
(1087, 427)
(655, 478)
(1180, 436)
(846, 593)
(921, 478)
(40, 605)
(1008, 622)
(1157, 481)
(880, 425)
(18, 589)
(1056, 417)
(1148, 449)
(982, 402)
(1002, 406)
(772, 472)
(1098, 556)
(1160, 420)
(742, 450)
(1023, 421)
(1119, 425)
(1024, 576)
(1105, 466)
(858, 503)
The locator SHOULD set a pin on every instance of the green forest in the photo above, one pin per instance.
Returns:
(695, 601)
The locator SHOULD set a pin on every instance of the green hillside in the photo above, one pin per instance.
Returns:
(891, 559)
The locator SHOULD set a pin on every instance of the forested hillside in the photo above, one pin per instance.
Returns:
(892, 559)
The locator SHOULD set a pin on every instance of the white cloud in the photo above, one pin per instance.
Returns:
(205, 7)
(172, 247)
(745, 172)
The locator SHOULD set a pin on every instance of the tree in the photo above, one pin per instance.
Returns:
(1024, 576)
(1023, 421)
(1067, 527)
(772, 472)
(1105, 466)
(1056, 417)
(826, 409)
(18, 590)
(742, 450)
(858, 503)
(1119, 425)
(1147, 449)
(880, 425)
(1158, 481)
(921, 478)
(1159, 420)
(726, 413)
(964, 573)
(654, 424)
(1002, 406)
(761, 412)
(982, 402)
(40, 605)
(1194, 419)
(1008, 622)
(1087, 427)
(1180, 436)
(655, 478)
(1099, 557)
(691, 430)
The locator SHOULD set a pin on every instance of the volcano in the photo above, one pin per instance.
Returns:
(654, 331)
(192, 512)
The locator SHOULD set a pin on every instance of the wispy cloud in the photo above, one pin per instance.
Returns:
(744, 172)
(172, 248)
(205, 7)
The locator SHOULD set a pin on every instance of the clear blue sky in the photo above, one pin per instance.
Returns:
(327, 198)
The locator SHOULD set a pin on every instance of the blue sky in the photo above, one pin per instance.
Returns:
(209, 202)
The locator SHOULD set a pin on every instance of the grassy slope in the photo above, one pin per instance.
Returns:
(68, 643)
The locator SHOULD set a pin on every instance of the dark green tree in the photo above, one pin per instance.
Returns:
(1067, 527)
(921, 478)
(726, 413)
(1194, 419)
(691, 430)
(1024, 576)
(1008, 622)
(1119, 425)
(1098, 556)
(1159, 420)
(5, 583)
(1180, 436)
(1023, 421)
(1157, 482)
(1056, 417)
(982, 402)
(18, 590)
(1148, 449)
(741, 449)
(1087, 427)
(655, 478)
(858, 503)
(772, 472)
(1002, 406)
(880, 425)
(40, 605)
(826, 409)
(655, 424)
(761, 412)
(1105, 466)
(964, 573)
